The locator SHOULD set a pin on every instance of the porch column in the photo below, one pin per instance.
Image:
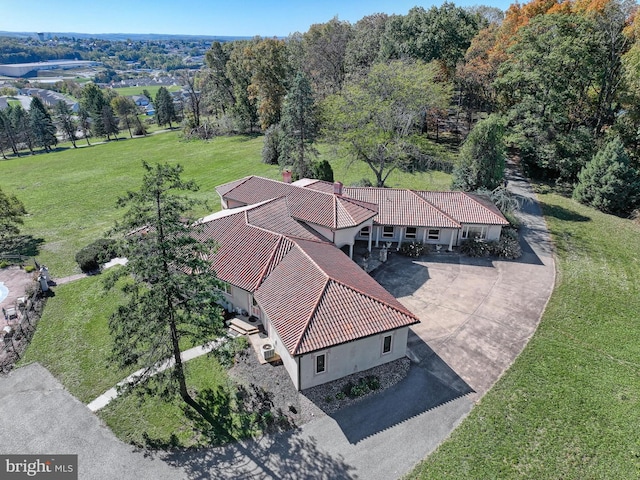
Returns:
(370, 237)
(400, 237)
(453, 232)
(424, 235)
(351, 251)
(378, 235)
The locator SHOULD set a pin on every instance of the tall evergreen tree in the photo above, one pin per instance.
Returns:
(482, 157)
(7, 134)
(300, 127)
(66, 123)
(20, 125)
(171, 302)
(165, 110)
(42, 128)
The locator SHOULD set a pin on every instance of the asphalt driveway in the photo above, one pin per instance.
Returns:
(477, 316)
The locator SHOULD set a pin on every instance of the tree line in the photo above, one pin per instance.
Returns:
(559, 81)
(553, 83)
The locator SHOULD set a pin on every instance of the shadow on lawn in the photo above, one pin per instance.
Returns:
(281, 454)
(25, 245)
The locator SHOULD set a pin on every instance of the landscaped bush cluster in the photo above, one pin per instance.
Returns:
(227, 352)
(414, 249)
(364, 386)
(507, 247)
(95, 254)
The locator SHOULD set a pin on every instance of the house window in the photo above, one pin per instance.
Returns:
(411, 232)
(388, 231)
(387, 344)
(321, 363)
(433, 234)
(364, 232)
(474, 231)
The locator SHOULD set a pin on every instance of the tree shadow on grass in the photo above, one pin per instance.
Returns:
(562, 213)
(238, 416)
(24, 245)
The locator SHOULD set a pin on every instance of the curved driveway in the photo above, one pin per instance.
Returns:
(477, 316)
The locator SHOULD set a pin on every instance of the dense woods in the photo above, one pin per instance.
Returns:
(560, 81)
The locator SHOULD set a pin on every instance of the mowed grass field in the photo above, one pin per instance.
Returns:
(569, 406)
(71, 194)
(152, 89)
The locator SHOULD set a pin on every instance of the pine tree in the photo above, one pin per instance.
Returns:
(65, 121)
(608, 182)
(42, 129)
(482, 157)
(172, 299)
(165, 110)
(299, 127)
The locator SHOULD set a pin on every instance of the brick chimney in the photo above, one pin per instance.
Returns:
(286, 176)
(337, 188)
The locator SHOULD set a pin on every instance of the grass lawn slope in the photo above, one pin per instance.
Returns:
(71, 194)
(568, 407)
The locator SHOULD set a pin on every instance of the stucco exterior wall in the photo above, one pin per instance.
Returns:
(494, 232)
(422, 234)
(290, 363)
(352, 357)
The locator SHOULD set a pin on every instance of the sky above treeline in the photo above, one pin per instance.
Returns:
(196, 17)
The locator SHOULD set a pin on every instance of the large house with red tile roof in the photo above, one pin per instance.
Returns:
(280, 256)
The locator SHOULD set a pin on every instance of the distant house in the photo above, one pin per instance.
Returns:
(280, 257)
(140, 100)
(50, 98)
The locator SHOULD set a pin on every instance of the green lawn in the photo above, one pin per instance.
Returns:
(72, 339)
(152, 89)
(152, 421)
(71, 194)
(568, 407)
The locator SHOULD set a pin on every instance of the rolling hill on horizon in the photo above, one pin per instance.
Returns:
(114, 37)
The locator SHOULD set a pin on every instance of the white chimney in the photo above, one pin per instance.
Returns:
(337, 188)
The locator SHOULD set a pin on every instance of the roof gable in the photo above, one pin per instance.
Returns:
(316, 297)
(465, 207)
(402, 207)
(305, 204)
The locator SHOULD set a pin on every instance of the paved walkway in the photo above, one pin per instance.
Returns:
(111, 394)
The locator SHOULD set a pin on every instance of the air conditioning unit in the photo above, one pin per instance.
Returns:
(268, 352)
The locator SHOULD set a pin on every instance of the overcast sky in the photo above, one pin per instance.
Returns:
(195, 17)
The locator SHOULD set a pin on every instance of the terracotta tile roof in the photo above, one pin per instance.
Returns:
(274, 216)
(299, 279)
(465, 207)
(305, 204)
(320, 185)
(316, 297)
(402, 207)
(245, 253)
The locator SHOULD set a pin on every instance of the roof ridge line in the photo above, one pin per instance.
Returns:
(357, 290)
(313, 311)
(268, 264)
(434, 206)
(466, 194)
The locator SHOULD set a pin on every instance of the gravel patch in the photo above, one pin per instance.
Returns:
(331, 397)
(301, 407)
